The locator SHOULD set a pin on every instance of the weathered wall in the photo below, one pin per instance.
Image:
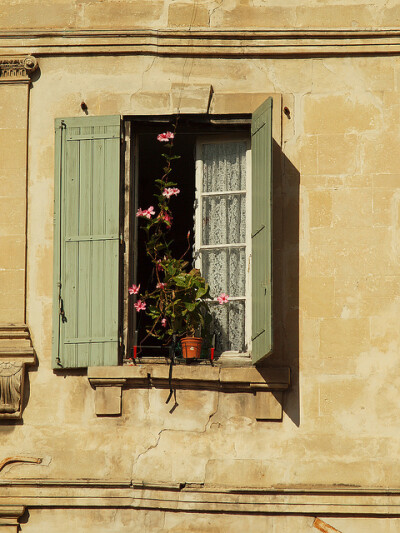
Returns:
(279, 14)
(339, 282)
(341, 143)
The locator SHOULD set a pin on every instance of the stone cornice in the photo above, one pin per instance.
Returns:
(217, 43)
(14, 68)
(197, 497)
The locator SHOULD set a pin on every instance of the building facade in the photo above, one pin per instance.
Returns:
(303, 437)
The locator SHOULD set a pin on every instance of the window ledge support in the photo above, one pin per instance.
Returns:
(266, 385)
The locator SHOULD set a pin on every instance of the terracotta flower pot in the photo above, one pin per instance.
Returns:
(191, 347)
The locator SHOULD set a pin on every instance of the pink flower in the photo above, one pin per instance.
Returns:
(161, 285)
(167, 218)
(140, 306)
(159, 265)
(150, 211)
(134, 289)
(164, 322)
(146, 212)
(165, 137)
(223, 298)
(171, 191)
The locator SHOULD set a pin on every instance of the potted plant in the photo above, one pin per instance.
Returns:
(176, 304)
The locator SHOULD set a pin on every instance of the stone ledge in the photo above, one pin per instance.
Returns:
(192, 377)
(266, 385)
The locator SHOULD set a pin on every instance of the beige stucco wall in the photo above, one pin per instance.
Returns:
(338, 206)
(341, 143)
(279, 14)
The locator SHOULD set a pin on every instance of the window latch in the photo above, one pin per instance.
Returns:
(62, 313)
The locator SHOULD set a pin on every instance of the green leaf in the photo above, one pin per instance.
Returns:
(181, 280)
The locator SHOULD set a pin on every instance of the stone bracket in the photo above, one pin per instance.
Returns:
(16, 353)
(265, 384)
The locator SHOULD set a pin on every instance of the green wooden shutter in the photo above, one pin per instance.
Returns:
(261, 231)
(87, 237)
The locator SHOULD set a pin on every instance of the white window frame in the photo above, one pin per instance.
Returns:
(214, 139)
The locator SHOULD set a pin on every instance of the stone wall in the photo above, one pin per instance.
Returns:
(209, 464)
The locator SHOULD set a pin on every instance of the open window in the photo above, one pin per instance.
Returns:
(226, 169)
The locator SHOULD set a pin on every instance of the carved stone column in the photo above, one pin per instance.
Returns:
(14, 102)
(15, 346)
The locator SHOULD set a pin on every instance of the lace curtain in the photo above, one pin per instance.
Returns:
(223, 238)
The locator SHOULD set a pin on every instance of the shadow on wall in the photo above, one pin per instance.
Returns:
(285, 275)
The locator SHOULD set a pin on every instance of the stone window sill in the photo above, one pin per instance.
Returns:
(265, 385)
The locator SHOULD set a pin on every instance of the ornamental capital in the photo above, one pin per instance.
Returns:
(17, 68)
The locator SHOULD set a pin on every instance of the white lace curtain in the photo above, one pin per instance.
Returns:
(223, 238)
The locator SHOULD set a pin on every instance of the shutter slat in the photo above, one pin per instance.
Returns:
(261, 149)
(89, 241)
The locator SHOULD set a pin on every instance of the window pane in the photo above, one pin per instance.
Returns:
(224, 166)
(228, 326)
(224, 219)
(225, 270)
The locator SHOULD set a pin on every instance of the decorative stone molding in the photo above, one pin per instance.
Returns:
(187, 497)
(17, 68)
(16, 352)
(9, 516)
(207, 42)
(266, 385)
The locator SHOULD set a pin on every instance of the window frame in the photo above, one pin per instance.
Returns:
(130, 163)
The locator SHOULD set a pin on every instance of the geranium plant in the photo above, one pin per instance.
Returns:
(177, 302)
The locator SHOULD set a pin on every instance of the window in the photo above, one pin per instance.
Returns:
(222, 244)
(89, 237)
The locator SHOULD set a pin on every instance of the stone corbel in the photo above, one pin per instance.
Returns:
(17, 68)
(16, 352)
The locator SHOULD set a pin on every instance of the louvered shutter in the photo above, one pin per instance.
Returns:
(87, 237)
(261, 231)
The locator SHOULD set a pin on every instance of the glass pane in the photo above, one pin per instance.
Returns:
(225, 271)
(237, 272)
(228, 325)
(224, 219)
(224, 166)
